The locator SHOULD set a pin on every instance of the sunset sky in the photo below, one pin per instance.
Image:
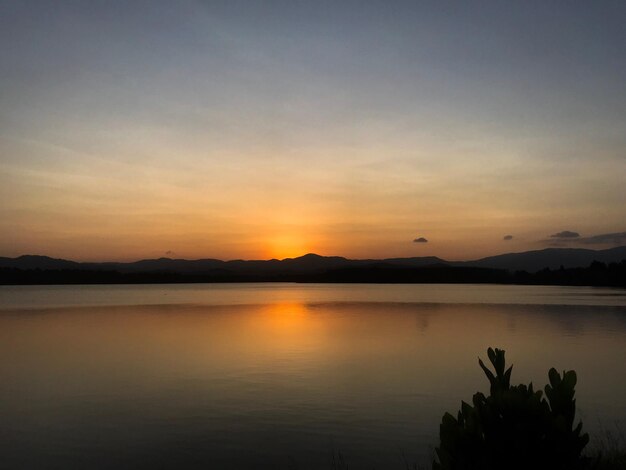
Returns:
(227, 129)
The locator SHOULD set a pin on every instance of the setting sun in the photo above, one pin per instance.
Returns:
(287, 246)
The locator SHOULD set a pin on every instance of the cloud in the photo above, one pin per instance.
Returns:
(507, 238)
(420, 240)
(565, 234)
(617, 238)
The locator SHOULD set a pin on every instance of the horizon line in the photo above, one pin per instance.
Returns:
(310, 254)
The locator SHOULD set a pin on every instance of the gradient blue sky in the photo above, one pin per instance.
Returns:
(271, 129)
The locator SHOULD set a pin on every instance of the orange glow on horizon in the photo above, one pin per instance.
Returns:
(286, 246)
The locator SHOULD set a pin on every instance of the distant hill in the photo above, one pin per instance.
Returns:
(552, 258)
(309, 263)
(38, 262)
(312, 264)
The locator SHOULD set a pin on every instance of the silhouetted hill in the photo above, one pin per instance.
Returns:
(38, 262)
(415, 262)
(309, 263)
(597, 274)
(553, 258)
(160, 264)
(312, 267)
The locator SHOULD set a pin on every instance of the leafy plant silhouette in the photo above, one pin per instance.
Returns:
(515, 427)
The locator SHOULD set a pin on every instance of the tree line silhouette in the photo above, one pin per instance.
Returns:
(596, 274)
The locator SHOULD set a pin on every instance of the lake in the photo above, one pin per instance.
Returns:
(243, 376)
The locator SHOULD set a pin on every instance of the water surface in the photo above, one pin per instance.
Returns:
(281, 375)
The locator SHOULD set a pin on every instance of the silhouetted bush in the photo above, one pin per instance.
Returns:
(514, 427)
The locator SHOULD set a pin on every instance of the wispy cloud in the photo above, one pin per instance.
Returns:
(607, 239)
(565, 234)
(617, 238)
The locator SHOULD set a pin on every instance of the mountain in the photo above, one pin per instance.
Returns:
(552, 258)
(159, 264)
(308, 263)
(38, 262)
(311, 263)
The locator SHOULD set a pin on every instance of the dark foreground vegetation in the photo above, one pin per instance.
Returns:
(518, 427)
(596, 274)
(514, 427)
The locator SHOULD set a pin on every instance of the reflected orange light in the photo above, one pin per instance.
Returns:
(286, 318)
(287, 326)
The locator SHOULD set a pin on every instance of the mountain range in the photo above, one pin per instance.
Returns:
(530, 261)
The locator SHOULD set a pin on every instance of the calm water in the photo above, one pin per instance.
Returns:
(241, 376)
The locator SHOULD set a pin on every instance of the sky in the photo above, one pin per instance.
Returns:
(270, 129)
